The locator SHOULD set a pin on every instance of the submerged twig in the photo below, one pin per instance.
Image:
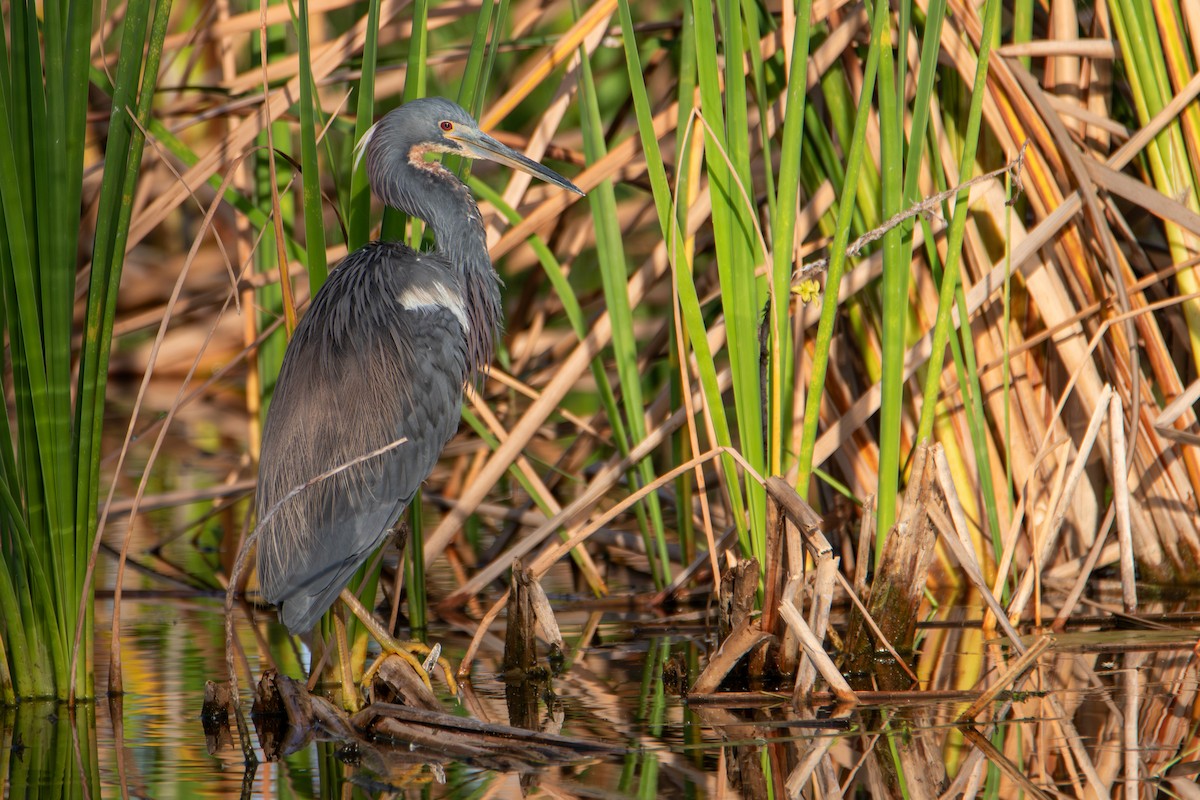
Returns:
(235, 578)
(1003, 762)
(1011, 676)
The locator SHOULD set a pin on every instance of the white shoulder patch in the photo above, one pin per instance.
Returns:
(432, 296)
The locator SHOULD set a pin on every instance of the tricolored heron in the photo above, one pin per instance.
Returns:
(382, 354)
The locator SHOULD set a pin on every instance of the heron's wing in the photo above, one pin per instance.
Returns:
(367, 366)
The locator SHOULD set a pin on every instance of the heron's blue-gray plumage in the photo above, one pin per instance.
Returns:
(382, 354)
(371, 376)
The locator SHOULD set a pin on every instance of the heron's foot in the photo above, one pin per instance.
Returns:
(405, 650)
(420, 657)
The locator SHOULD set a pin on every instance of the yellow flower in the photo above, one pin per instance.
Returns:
(807, 290)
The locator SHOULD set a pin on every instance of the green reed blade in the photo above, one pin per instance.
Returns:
(941, 331)
(360, 191)
(895, 292)
(783, 230)
(727, 135)
(470, 89)
(314, 222)
(693, 318)
(837, 251)
(614, 276)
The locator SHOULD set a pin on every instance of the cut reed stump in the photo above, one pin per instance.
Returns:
(524, 679)
(214, 716)
(738, 630)
(528, 610)
(899, 584)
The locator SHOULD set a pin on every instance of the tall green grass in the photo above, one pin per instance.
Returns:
(757, 307)
(49, 471)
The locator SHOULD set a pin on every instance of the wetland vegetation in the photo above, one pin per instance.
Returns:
(846, 425)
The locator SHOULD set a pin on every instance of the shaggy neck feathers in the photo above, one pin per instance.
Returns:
(428, 191)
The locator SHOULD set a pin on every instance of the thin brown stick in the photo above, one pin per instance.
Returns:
(1011, 676)
(1049, 540)
(927, 207)
(584, 560)
(1120, 475)
(1085, 572)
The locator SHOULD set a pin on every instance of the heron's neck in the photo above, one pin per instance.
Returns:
(434, 195)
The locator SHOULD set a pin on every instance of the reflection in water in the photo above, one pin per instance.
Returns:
(46, 750)
(152, 742)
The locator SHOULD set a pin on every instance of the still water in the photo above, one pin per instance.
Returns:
(151, 743)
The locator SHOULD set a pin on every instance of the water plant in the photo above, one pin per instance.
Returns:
(55, 369)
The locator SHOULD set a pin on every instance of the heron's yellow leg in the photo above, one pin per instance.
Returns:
(349, 690)
(405, 650)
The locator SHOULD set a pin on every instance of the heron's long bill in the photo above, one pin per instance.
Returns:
(480, 145)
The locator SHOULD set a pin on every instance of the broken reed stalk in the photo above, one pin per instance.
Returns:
(520, 643)
(815, 651)
(773, 584)
(737, 630)
(529, 611)
(794, 533)
(899, 585)
(803, 527)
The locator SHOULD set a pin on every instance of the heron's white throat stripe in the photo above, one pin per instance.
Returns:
(435, 295)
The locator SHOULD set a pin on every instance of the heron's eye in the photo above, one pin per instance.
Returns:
(447, 125)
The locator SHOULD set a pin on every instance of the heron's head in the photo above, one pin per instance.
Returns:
(437, 125)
